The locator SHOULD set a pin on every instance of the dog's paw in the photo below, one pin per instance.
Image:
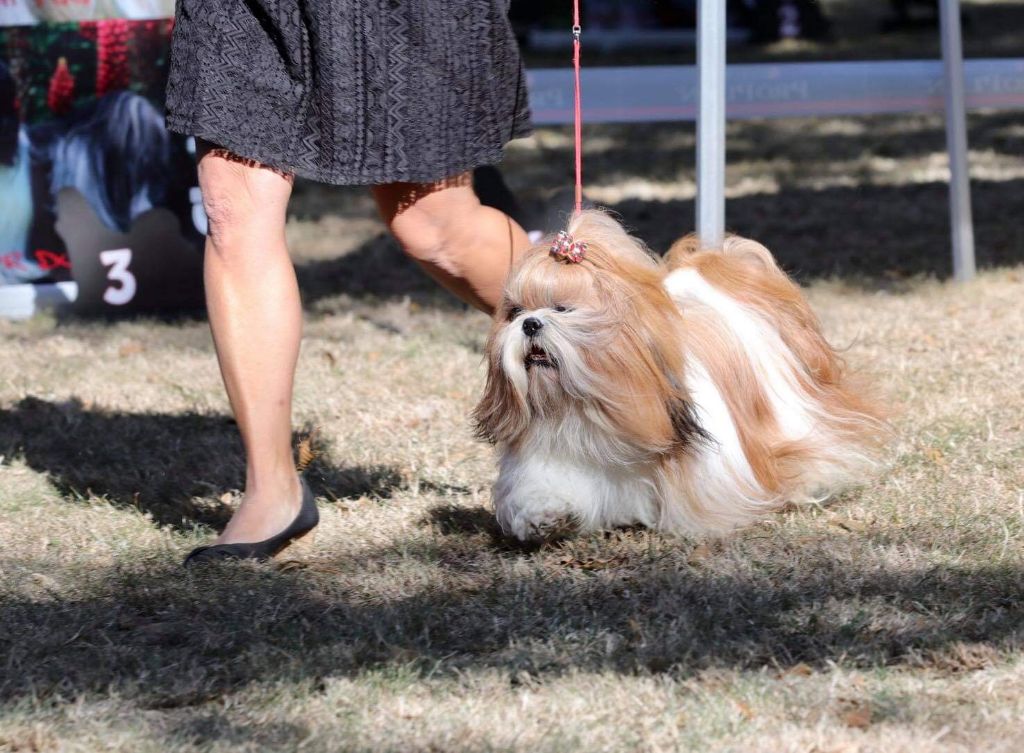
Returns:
(545, 529)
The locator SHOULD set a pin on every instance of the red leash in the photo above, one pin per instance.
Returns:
(576, 32)
(564, 247)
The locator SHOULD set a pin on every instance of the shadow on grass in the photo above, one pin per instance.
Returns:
(455, 520)
(450, 600)
(172, 466)
(788, 150)
(376, 270)
(868, 235)
(875, 237)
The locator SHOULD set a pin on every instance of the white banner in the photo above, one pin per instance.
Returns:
(765, 90)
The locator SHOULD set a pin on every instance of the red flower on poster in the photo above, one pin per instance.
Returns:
(111, 55)
(89, 30)
(62, 88)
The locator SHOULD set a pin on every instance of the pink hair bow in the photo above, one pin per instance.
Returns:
(567, 249)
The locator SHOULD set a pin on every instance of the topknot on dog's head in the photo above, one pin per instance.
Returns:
(607, 243)
(567, 249)
(594, 259)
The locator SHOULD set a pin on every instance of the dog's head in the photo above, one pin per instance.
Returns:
(588, 328)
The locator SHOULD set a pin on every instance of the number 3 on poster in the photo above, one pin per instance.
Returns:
(117, 261)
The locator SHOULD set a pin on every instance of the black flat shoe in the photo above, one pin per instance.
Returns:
(304, 522)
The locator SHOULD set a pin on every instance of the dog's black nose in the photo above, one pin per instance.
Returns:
(532, 326)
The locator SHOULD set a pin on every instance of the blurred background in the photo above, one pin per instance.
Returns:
(863, 197)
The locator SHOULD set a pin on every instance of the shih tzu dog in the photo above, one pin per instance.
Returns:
(689, 395)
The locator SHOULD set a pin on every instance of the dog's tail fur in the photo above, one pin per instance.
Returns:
(803, 425)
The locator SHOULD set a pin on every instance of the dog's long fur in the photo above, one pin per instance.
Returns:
(691, 394)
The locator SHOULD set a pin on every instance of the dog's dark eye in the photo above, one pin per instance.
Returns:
(514, 311)
(561, 309)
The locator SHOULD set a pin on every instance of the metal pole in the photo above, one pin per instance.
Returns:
(711, 29)
(961, 224)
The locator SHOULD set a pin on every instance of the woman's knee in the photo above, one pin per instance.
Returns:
(241, 198)
(422, 236)
(431, 226)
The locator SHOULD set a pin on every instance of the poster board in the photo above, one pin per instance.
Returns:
(95, 192)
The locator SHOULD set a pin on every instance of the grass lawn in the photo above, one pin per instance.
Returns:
(890, 620)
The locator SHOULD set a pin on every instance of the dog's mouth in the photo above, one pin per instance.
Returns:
(537, 356)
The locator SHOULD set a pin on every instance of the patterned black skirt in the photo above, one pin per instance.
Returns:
(350, 91)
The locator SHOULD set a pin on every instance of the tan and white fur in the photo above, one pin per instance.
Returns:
(689, 395)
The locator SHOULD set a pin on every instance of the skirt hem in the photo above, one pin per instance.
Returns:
(187, 127)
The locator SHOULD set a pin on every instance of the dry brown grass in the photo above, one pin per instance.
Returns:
(889, 621)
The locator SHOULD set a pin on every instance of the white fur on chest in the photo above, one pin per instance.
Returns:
(545, 485)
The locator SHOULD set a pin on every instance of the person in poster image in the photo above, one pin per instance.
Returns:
(75, 151)
(16, 266)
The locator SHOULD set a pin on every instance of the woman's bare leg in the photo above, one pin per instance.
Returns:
(256, 317)
(464, 245)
